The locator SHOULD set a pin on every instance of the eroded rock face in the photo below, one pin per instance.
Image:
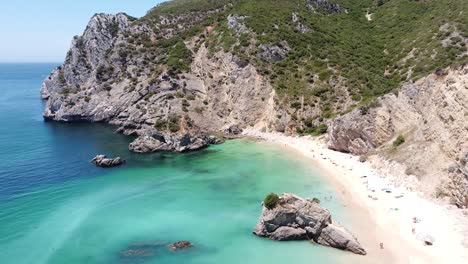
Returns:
(295, 218)
(103, 161)
(432, 115)
(274, 53)
(157, 142)
(100, 81)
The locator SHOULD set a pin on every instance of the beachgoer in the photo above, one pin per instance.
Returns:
(381, 245)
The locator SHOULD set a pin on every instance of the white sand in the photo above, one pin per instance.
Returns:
(379, 222)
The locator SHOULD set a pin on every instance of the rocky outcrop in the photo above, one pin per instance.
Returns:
(236, 23)
(325, 5)
(431, 114)
(107, 78)
(179, 143)
(274, 53)
(295, 218)
(103, 161)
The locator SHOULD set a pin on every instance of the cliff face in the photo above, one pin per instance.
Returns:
(98, 83)
(192, 69)
(432, 115)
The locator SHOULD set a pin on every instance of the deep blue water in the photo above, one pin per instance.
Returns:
(36, 153)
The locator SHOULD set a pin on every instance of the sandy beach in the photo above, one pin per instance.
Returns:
(398, 218)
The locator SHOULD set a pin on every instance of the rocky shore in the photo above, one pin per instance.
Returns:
(295, 218)
(179, 143)
(403, 221)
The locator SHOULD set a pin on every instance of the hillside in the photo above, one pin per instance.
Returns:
(192, 68)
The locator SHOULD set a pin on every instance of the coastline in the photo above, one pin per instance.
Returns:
(383, 218)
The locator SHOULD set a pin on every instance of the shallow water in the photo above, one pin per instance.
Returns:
(56, 207)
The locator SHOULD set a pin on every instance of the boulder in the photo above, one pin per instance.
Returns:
(339, 237)
(103, 161)
(296, 218)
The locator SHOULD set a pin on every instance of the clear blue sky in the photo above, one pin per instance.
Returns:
(42, 30)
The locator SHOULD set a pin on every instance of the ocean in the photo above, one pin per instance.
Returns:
(57, 207)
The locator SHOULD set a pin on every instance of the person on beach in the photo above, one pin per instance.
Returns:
(381, 245)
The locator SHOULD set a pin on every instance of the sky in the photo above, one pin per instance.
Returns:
(42, 30)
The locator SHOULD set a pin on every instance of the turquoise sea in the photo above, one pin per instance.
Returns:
(56, 207)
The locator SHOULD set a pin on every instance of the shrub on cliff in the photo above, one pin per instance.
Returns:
(179, 58)
(400, 140)
(271, 200)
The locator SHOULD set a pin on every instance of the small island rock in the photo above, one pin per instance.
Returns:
(295, 218)
(103, 161)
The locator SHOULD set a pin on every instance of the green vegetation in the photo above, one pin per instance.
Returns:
(398, 141)
(316, 200)
(171, 124)
(184, 6)
(310, 129)
(403, 42)
(271, 200)
(114, 28)
(340, 56)
(179, 58)
(103, 73)
(61, 77)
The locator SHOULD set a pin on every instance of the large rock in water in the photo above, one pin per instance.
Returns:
(103, 161)
(295, 218)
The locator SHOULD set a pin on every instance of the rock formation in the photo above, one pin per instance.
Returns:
(103, 161)
(100, 82)
(295, 218)
(432, 115)
(183, 143)
(183, 72)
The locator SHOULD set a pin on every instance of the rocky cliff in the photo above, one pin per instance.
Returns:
(101, 82)
(192, 70)
(432, 116)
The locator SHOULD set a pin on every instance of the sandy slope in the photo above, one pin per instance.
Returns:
(381, 222)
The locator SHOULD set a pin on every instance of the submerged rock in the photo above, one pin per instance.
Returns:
(295, 218)
(103, 161)
(152, 249)
(142, 250)
(180, 245)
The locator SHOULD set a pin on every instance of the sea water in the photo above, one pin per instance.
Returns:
(57, 207)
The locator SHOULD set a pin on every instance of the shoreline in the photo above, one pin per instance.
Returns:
(382, 217)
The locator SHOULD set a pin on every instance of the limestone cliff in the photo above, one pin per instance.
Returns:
(432, 116)
(190, 71)
(100, 82)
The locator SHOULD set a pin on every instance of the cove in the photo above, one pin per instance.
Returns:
(56, 207)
